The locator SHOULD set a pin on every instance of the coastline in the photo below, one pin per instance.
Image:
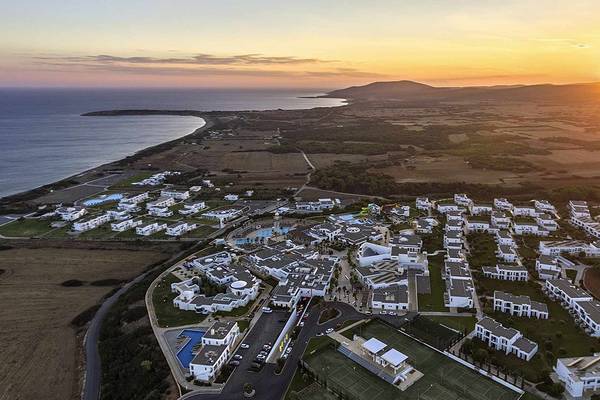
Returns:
(8, 202)
(64, 182)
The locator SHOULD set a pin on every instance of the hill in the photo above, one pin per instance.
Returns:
(415, 91)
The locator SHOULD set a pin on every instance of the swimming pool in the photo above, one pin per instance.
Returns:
(185, 355)
(262, 233)
(354, 219)
(102, 199)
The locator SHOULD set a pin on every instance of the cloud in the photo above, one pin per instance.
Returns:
(565, 41)
(198, 59)
(249, 65)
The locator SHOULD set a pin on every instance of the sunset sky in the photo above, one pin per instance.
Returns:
(313, 44)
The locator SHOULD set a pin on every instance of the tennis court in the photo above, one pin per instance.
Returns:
(443, 378)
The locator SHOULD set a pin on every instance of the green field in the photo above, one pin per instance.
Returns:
(443, 378)
(166, 313)
(462, 324)
(127, 183)
(25, 228)
(434, 301)
(483, 250)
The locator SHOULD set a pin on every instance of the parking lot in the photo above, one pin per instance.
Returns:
(266, 330)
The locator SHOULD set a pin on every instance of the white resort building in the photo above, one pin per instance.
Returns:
(217, 347)
(508, 340)
(580, 375)
(520, 306)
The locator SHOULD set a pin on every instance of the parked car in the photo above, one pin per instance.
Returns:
(329, 330)
(256, 366)
(288, 350)
(238, 357)
(244, 346)
(234, 363)
(320, 334)
(392, 313)
(267, 310)
(302, 324)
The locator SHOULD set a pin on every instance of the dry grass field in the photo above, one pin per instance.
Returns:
(39, 350)
(445, 169)
(591, 281)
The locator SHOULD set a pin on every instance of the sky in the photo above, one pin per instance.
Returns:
(308, 43)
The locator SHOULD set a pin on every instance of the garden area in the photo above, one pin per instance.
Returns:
(434, 301)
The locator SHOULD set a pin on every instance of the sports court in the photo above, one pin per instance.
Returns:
(443, 378)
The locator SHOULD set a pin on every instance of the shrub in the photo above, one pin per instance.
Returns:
(72, 283)
(480, 355)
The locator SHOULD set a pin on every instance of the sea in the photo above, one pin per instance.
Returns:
(44, 138)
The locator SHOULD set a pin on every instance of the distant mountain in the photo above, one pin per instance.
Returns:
(415, 91)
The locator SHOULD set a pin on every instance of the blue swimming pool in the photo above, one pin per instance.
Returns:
(185, 355)
(354, 219)
(102, 199)
(262, 233)
(346, 217)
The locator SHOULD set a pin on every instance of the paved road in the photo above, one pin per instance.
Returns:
(93, 374)
(268, 385)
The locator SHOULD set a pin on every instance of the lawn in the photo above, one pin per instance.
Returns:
(25, 228)
(572, 275)
(443, 378)
(200, 232)
(129, 234)
(102, 232)
(166, 313)
(136, 178)
(483, 250)
(434, 301)
(435, 240)
(461, 324)
(243, 324)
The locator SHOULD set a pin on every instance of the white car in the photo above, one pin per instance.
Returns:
(267, 310)
(244, 346)
(329, 330)
(288, 350)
